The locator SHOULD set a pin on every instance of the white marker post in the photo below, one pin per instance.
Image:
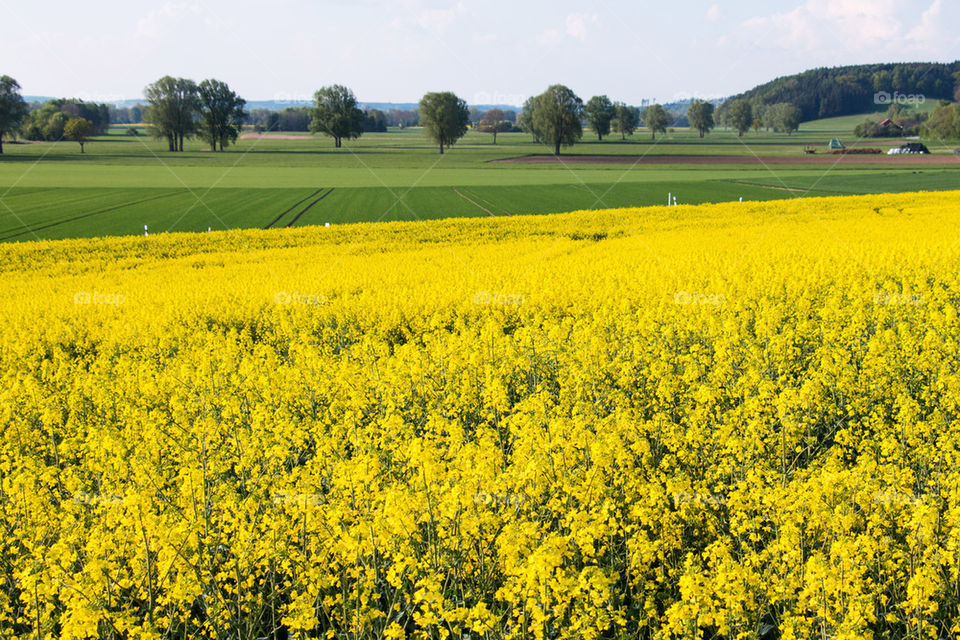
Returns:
(668, 198)
(145, 232)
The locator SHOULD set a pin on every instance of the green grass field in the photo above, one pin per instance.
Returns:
(51, 190)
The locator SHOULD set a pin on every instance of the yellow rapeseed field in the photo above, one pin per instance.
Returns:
(723, 421)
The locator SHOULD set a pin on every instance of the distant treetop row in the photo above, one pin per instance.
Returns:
(178, 108)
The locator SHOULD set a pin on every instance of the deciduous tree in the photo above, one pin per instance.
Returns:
(221, 114)
(556, 117)
(336, 114)
(700, 115)
(494, 121)
(740, 116)
(599, 112)
(79, 130)
(625, 119)
(444, 117)
(12, 107)
(656, 119)
(172, 111)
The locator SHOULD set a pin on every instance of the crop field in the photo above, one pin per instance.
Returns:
(738, 420)
(122, 183)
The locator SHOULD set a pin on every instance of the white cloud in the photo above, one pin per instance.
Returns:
(549, 37)
(577, 25)
(154, 25)
(714, 13)
(931, 28)
(438, 20)
(814, 25)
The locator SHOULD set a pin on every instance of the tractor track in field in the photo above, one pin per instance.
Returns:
(767, 186)
(34, 229)
(308, 207)
(473, 202)
(291, 208)
(484, 200)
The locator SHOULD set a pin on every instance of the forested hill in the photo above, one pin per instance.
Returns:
(838, 91)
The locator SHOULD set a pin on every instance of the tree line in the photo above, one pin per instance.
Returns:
(56, 120)
(179, 108)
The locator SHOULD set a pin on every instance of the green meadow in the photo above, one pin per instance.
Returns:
(122, 182)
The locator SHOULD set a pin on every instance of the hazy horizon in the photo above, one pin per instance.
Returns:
(488, 53)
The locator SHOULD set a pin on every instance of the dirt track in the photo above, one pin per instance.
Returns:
(818, 159)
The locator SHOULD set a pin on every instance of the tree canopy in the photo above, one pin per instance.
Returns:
(599, 113)
(656, 119)
(444, 117)
(221, 114)
(336, 114)
(79, 130)
(12, 107)
(700, 115)
(494, 121)
(740, 116)
(172, 111)
(556, 117)
(944, 121)
(625, 119)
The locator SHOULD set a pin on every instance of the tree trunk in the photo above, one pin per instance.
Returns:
(1, 145)
(494, 137)
(557, 149)
(599, 138)
(81, 147)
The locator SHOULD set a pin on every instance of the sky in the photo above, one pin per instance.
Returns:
(488, 52)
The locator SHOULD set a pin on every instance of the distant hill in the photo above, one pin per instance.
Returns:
(840, 91)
